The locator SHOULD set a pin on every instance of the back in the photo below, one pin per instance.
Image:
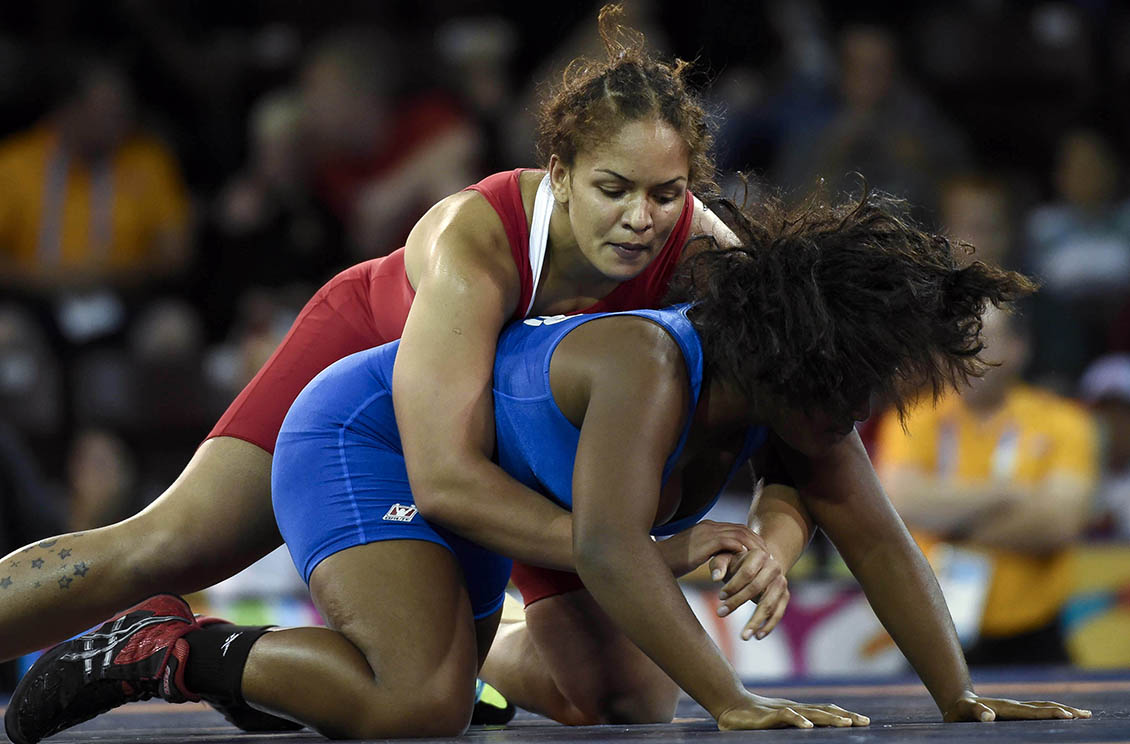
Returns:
(536, 444)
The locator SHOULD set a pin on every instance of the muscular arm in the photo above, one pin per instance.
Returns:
(843, 494)
(783, 522)
(466, 289)
(1032, 518)
(631, 424)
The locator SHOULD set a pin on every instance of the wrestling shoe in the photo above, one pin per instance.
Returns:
(491, 707)
(136, 655)
(243, 716)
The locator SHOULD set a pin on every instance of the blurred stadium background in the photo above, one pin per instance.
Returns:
(176, 179)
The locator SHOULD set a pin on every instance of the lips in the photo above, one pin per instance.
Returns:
(630, 250)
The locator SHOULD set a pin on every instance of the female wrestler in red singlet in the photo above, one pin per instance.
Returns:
(624, 141)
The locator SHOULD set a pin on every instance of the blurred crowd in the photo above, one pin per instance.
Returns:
(176, 179)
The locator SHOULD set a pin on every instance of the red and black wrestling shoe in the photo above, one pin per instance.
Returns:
(136, 655)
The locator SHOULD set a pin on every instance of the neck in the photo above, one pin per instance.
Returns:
(569, 281)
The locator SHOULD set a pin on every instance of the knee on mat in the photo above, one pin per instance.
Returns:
(423, 713)
(642, 706)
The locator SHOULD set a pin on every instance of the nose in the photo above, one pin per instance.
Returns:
(637, 215)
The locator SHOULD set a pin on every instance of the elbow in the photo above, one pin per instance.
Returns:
(594, 554)
(435, 490)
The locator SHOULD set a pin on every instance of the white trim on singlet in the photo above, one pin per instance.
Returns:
(539, 235)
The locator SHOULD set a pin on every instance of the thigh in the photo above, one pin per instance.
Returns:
(595, 666)
(338, 484)
(213, 521)
(404, 605)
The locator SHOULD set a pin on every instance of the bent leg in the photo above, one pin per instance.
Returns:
(571, 663)
(399, 658)
(212, 522)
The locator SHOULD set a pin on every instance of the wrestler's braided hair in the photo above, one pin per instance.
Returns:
(826, 304)
(595, 98)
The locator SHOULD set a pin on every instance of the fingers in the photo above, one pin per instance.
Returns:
(720, 565)
(991, 709)
(770, 610)
(778, 713)
(984, 713)
(857, 719)
(1075, 712)
(746, 572)
(790, 717)
(756, 577)
(1038, 709)
(832, 715)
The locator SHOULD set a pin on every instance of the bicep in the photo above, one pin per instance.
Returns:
(843, 494)
(631, 425)
(442, 375)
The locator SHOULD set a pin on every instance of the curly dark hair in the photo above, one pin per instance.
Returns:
(596, 98)
(826, 304)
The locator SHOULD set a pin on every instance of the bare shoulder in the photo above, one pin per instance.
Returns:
(625, 359)
(462, 233)
(528, 182)
(705, 222)
(628, 349)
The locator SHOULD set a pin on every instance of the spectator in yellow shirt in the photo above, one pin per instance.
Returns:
(1007, 470)
(85, 199)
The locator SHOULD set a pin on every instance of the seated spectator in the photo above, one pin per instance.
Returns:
(102, 480)
(1006, 470)
(976, 210)
(1106, 386)
(85, 198)
(882, 128)
(266, 228)
(93, 212)
(1079, 248)
(381, 159)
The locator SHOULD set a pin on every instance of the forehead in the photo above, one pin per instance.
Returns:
(644, 151)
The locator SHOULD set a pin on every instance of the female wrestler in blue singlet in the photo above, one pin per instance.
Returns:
(341, 481)
(635, 421)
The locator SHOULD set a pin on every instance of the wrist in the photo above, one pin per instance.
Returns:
(736, 696)
(952, 703)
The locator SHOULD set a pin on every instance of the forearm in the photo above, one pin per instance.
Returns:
(1046, 523)
(482, 503)
(630, 581)
(942, 505)
(844, 496)
(783, 522)
(904, 593)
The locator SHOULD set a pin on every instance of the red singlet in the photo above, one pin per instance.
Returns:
(366, 305)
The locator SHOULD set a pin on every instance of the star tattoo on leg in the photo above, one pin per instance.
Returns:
(5, 582)
(65, 582)
(64, 552)
(37, 563)
(81, 568)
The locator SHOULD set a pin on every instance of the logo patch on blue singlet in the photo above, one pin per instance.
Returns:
(400, 513)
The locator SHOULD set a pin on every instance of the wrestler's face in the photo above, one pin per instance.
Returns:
(624, 196)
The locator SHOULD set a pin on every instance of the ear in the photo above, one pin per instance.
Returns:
(560, 179)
